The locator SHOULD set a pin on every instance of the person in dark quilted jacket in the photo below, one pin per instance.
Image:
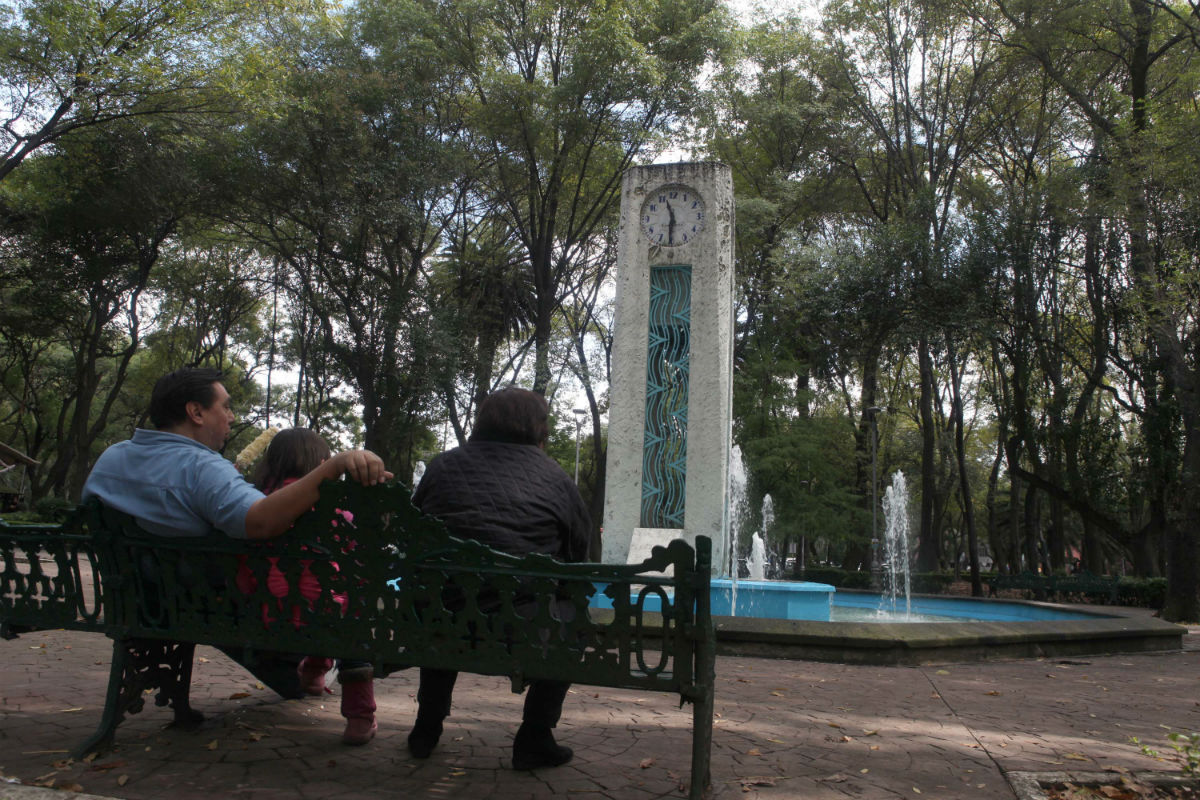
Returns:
(503, 490)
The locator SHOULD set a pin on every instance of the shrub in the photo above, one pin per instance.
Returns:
(931, 582)
(53, 509)
(1142, 592)
(837, 578)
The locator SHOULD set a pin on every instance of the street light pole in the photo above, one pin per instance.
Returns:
(579, 413)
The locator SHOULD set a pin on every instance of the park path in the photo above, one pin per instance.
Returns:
(784, 729)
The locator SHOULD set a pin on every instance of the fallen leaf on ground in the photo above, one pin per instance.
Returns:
(836, 777)
(211, 745)
(69, 787)
(69, 710)
(646, 763)
(238, 695)
(90, 757)
(992, 693)
(259, 686)
(870, 733)
(108, 766)
(777, 694)
(122, 780)
(1076, 757)
(748, 782)
(845, 739)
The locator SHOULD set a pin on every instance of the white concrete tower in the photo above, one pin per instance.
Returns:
(671, 392)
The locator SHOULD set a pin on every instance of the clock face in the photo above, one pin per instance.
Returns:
(672, 215)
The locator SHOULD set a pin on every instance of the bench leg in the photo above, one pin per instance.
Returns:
(702, 716)
(138, 665)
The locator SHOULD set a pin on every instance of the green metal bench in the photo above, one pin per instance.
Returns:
(396, 590)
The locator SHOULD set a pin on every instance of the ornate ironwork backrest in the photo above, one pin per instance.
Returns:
(49, 577)
(364, 575)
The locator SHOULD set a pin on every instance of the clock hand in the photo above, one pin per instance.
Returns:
(670, 224)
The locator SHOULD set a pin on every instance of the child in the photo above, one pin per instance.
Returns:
(291, 455)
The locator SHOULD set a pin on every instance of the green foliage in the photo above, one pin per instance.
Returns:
(68, 66)
(52, 509)
(1142, 592)
(931, 582)
(1186, 747)
(837, 578)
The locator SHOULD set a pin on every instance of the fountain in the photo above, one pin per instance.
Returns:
(672, 473)
(897, 580)
(756, 562)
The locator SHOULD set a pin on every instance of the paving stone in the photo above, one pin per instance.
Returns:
(785, 729)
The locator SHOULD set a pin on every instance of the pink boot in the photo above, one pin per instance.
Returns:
(312, 671)
(358, 704)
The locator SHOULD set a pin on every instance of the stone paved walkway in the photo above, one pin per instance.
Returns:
(784, 729)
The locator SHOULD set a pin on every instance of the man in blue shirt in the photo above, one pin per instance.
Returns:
(175, 483)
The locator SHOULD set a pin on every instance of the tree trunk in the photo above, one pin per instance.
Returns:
(929, 541)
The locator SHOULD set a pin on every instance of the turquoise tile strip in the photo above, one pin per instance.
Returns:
(664, 451)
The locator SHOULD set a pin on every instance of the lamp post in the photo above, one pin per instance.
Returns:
(579, 414)
(874, 412)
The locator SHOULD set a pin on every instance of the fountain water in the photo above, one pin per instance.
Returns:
(897, 581)
(756, 562)
(737, 505)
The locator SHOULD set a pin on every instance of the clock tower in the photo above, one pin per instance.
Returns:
(671, 393)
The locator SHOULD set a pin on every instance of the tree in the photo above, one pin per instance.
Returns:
(84, 230)
(565, 97)
(351, 185)
(69, 66)
(910, 78)
(1146, 51)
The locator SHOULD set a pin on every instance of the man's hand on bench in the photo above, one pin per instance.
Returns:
(361, 465)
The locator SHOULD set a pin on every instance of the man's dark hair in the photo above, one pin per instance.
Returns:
(173, 391)
(514, 416)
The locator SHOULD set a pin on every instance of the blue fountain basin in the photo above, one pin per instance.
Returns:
(766, 599)
(851, 606)
(820, 602)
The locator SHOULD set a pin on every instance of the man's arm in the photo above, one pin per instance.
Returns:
(275, 513)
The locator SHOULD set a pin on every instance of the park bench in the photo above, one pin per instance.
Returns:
(1082, 586)
(396, 590)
